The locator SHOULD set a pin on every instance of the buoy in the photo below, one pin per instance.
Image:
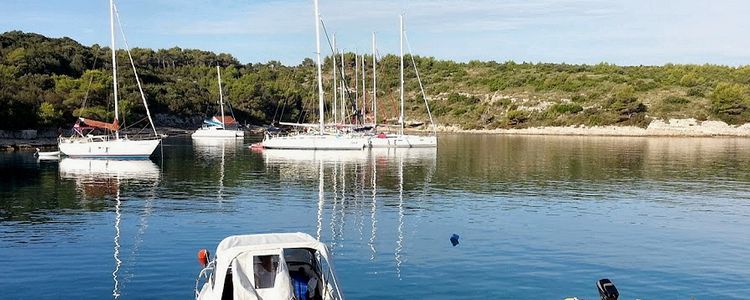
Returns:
(454, 239)
(203, 257)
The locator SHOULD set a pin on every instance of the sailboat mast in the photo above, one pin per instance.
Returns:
(374, 86)
(364, 89)
(356, 85)
(401, 35)
(221, 97)
(114, 61)
(343, 94)
(335, 97)
(320, 72)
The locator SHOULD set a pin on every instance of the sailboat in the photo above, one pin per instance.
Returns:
(217, 128)
(83, 144)
(401, 140)
(312, 139)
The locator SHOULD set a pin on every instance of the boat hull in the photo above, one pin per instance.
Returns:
(217, 134)
(119, 148)
(315, 142)
(403, 141)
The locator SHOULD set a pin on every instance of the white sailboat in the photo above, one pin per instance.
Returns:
(84, 144)
(401, 140)
(320, 140)
(215, 127)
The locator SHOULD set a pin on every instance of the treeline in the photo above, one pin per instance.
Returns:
(47, 82)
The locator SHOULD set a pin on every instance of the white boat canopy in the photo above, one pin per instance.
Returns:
(242, 259)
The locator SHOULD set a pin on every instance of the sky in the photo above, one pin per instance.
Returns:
(623, 32)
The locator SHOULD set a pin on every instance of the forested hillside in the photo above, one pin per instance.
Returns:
(47, 82)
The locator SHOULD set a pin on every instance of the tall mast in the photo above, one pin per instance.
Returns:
(401, 34)
(343, 94)
(221, 97)
(364, 98)
(320, 72)
(356, 84)
(114, 61)
(374, 85)
(335, 97)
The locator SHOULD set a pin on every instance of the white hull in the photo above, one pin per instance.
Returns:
(403, 141)
(315, 142)
(217, 133)
(108, 148)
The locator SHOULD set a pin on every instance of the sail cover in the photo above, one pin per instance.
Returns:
(228, 120)
(114, 126)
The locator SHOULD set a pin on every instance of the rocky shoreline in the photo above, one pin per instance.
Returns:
(657, 128)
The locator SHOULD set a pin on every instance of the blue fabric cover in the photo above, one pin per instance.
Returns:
(299, 283)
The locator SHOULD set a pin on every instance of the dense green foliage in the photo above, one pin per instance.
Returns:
(44, 82)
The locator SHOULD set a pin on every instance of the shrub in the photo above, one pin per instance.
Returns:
(516, 116)
(696, 92)
(566, 108)
(625, 103)
(729, 102)
(675, 100)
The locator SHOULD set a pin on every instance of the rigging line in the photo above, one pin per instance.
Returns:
(283, 108)
(334, 51)
(135, 72)
(275, 112)
(421, 88)
(325, 31)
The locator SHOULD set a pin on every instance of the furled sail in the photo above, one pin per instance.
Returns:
(114, 126)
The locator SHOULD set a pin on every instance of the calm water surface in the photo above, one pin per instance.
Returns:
(539, 217)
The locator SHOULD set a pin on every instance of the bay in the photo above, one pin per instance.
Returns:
(539, 217)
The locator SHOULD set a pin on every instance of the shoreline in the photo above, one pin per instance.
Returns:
(657, 128)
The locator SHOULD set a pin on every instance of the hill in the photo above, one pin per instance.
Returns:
(46, 82)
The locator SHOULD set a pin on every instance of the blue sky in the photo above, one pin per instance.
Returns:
(630, 32)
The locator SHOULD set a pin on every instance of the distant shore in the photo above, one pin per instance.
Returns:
(657, 128)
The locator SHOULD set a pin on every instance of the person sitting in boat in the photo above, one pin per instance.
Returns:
(265, 276)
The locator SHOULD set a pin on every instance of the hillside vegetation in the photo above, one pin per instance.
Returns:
(47, 82)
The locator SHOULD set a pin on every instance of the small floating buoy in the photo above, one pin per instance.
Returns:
(203, 257)
(454, 239)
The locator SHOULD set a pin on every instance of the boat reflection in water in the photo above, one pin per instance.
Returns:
(353, 186)
(216, 149)
(104, 178)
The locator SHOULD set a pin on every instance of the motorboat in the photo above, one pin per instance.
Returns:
(267, 266)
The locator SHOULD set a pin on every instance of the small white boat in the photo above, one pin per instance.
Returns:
(217, 129)
(267, 267)
(47, 155)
